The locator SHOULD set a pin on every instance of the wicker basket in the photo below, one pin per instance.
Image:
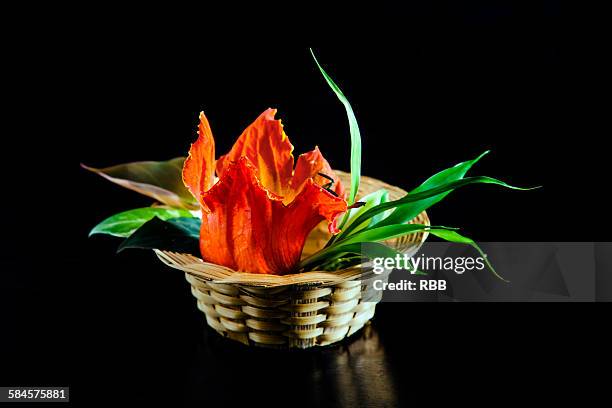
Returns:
(291, 311)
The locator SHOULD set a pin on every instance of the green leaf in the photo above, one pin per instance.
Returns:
(125, 223)
(176, 234)
(409, 198)
(344, 256)
(371, 200)
(407, 212)
(354, 131)
(160, 180)
(365, 249)
(379, 217)
(454, 236)
(366, 237)
(385, 233)
(340, 261)
(191, 225)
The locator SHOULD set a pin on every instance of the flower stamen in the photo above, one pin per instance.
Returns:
(329, 185)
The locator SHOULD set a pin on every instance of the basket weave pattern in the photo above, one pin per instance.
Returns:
(294, 316)
(291, 311)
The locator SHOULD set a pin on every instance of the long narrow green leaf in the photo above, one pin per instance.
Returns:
(369, 201)
(369, 236)
(125, 223)
(408, 198)
(407, 212)
(386, 232)
(340, 257)
(354, 131)
(366, 249)
(454, 236)
(340, 261)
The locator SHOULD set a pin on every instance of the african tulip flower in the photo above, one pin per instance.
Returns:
(257, 215)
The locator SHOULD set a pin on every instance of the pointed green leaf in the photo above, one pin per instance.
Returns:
(407, 212)
(454, 236)
(125, 223)
(409, 198)
(354, 131)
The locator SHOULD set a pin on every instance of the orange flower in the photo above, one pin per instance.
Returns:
(258, 214)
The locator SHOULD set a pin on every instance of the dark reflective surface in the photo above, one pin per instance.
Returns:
(356, 370)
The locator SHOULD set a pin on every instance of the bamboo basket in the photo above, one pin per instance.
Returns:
(300, 310)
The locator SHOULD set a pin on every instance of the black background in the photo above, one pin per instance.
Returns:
(430, 85)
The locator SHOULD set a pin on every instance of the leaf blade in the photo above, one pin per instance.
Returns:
(408, 211)
(123, 224)
(408, 198)
(387, 232)
(384, 233)
(353, 130)
(371, 200)
(161, 180)
(454, 236)
(373, 250)
(176, 234)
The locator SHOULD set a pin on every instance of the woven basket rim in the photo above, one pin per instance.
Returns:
(214, 273)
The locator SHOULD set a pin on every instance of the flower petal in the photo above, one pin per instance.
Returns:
(267, 146)
(199, 167)
(309, 165)
(249, 229)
